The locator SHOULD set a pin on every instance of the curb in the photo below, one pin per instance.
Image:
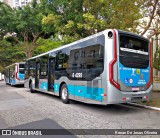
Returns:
(144, 106)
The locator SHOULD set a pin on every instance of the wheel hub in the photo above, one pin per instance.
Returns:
(64, 93)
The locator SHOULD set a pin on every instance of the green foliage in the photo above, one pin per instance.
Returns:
(28, 22)
(10, 54)
(92, 24)
(7, 19)
(69, 19)
(125, 14)
(60, 20)
(25, 22)
(80, 18)
(45, 45)
(51, 23)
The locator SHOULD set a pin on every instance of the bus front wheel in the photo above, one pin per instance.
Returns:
(64, 94)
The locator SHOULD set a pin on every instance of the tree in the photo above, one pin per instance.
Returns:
(10, 54)
(26, 23)
(77, 19)
(151, 10)
(6, 19)
(63, 12)
(45, 45)
(151, 27)
(28, 26)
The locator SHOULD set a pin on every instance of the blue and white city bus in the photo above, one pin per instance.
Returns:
(109, 67)
(14, 74)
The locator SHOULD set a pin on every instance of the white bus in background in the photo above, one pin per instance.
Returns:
(0, 76)
(14, 74)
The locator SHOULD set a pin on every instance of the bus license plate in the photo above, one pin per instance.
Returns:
(135, 89)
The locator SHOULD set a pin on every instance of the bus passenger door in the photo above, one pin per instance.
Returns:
(37, 76)
(51, 75)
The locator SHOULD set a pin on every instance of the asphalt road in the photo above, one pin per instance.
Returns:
(21, 109)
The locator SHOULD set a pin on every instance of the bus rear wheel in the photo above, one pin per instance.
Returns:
(64, 94)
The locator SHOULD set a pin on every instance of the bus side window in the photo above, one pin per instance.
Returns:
(87, 60)
(31, 68)
(61, 61)
(44, 67)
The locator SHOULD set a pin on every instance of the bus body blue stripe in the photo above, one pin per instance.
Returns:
(83, 91)
(13, 81)
(44, 86)
(80, 91)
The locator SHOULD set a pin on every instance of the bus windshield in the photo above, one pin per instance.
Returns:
(21, 68)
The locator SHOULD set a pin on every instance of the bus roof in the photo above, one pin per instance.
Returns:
(70, 44)
(84, 39)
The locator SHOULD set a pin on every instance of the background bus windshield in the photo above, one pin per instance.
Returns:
(21, 68)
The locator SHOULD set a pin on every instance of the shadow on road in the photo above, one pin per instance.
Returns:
(110, 108)
(19, 86)
(14, 86)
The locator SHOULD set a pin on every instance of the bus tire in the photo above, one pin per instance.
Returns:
(64, 94)
(31, 88)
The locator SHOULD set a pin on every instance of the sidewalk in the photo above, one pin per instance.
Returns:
(156, 86)
(155, 102)
(155, 95)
